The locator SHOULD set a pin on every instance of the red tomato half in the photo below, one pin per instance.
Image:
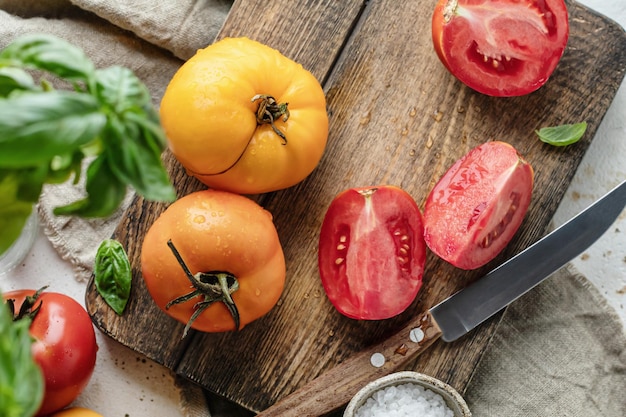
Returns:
(372, 252)
(64, 347)
(477, 206)
(500, 47)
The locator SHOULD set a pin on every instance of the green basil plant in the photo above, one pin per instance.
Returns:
(105, 117)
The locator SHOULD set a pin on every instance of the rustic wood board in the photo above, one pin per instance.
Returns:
(396, 117)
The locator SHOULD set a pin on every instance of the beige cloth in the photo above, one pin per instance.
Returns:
(560, 350)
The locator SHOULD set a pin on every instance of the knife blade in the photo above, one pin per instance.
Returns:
(458, 314)
(473, 305)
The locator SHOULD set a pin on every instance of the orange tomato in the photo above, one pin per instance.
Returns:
(242, 117)
(228, 243)
(76, 412)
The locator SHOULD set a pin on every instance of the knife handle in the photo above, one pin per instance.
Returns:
(335, 387)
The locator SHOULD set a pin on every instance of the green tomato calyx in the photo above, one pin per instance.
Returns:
(270, 110)
(213, 286)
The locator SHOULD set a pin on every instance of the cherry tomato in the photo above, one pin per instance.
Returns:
(64, 347)
(474, 210)
(371, 252)
(242, 117)
(213, 260)
(500, 47)
(76, 412)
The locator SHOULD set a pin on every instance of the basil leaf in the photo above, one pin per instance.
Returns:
(64, 166)
(121, 90)
(31, 182)
(13, 212)
(46, 134)
(51, 54)
(105, 192)
(12, 79)
(134, 143)
(149, 125)
(34, 127)
(21, 381)
(562, 135)
(112, 274)
(135, 163)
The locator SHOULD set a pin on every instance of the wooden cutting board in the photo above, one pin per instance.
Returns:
(396, 117)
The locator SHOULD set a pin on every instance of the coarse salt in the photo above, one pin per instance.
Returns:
(405, 400)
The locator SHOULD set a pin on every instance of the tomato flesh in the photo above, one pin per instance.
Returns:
(478, 204)
(64, 347)
(501, 47)
(371, 252)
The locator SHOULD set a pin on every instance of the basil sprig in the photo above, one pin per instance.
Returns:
(112, 274)
(562, 135)
(105, 116)
(21, 381)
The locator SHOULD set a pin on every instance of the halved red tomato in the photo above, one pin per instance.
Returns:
(372, 252)
(500, 47)
(478, 204)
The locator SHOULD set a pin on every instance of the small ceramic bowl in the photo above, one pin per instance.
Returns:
(452, 398)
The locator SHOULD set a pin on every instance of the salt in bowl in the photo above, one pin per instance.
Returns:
(452, 398)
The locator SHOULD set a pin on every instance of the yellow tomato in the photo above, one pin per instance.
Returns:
(76, 412)
(241, 117)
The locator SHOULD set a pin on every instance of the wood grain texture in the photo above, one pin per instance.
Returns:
(332, 389)
(396, 117)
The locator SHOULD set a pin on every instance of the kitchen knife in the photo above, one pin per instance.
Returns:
(458, 314)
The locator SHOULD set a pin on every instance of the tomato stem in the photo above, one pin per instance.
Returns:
(213, 286)
(28, 308)
(449, 10)
(269, 110)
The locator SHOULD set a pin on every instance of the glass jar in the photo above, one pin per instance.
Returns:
(22, 246)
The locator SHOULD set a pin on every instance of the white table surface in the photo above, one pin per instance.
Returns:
(127, 384)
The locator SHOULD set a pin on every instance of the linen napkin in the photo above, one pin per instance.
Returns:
(559, 351)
